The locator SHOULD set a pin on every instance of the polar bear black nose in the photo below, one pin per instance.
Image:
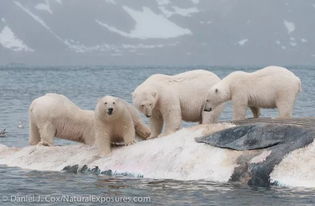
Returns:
(208, 110)
(110, 111)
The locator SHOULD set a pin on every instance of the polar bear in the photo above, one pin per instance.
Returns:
(170, 99)
(116, 121)
(270, 87)
(54, 115)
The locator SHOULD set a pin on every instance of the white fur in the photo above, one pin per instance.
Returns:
(270, 87)
(168, 100)
(54, 115)
(117, 126)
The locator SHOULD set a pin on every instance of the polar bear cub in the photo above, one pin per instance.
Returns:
(270, 87)
(54, 115)
(167, 100)
(116, 121)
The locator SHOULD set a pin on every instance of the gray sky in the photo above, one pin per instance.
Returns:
(157, 32)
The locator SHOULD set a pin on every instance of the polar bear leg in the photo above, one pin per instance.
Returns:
(156, 124)
(255, 111)
(173, 120)
(142, 130)
(34, 137)
(102, 142)
(129, 135)
(213, 116)
(285, 107)
(47, 132)
(239, 110)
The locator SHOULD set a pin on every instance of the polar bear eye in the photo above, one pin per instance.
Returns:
(114, 103)
(105, 103)
(142, 105)
(207, 100)
(150, 105)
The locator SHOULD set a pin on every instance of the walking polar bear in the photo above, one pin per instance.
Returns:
(170, 99)
(54, 115)
(270, 87)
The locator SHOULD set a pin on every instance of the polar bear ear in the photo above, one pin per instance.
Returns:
(216, 90)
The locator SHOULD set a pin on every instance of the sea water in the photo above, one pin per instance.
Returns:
(84, 85)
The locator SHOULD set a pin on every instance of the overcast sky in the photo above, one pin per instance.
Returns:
(157, 32)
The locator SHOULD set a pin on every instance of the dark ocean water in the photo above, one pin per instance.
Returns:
(84, 85)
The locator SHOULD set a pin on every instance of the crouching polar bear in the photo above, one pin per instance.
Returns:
(54, 115)
(170, 99)
(270, 87)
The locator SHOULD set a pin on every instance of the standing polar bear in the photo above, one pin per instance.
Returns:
(116, 121)
(170, 99)
(54, 115)
(270, 87)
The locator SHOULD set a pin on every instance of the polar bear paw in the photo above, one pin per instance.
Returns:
(130, 142)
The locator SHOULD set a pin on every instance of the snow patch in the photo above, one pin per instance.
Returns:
(81, 48)
(278, 42)
(10, 41)
(35, 17)
(303, 40)
(38, 20)
(115, 50)
(3, 20)
(44, 7)
(142, 46)
(187, 12)
(242, 42)
(290, 26)
(148, 26)
(283, 47)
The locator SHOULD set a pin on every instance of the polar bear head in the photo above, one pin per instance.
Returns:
(145, 100)
(218, 94)
(108, 107)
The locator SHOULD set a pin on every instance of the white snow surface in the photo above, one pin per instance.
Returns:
(242, 42)
(148, 25)
(45, 6)
(290, 26)
(187, 12)
(10, 41)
